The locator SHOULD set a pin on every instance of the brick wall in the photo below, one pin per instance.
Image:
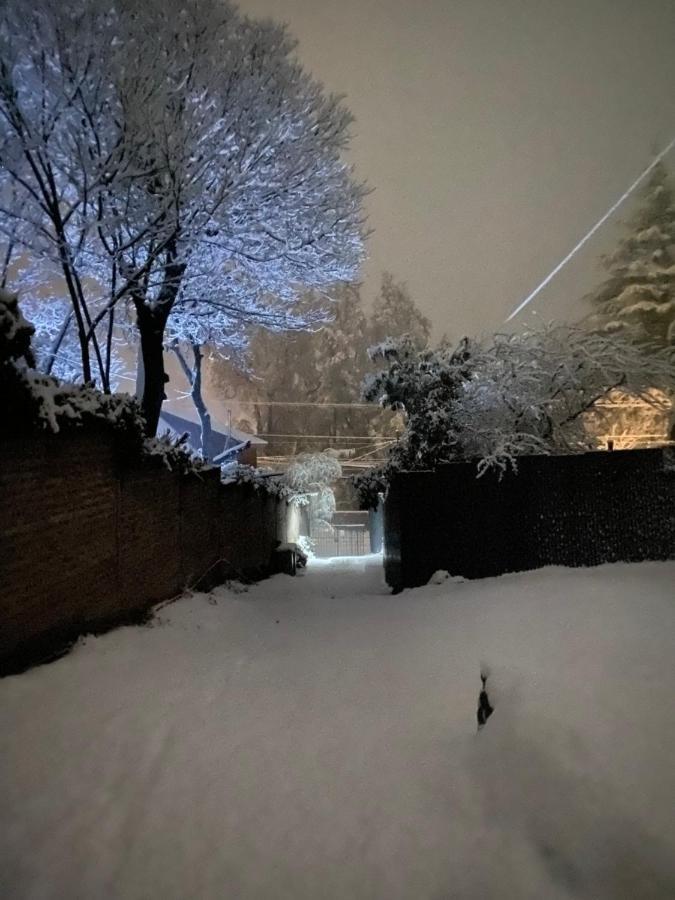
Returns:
(567, 510)
(89, 538)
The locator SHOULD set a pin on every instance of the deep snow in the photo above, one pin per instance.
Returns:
(316, 738)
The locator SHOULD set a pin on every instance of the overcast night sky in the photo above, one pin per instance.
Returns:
(494, 134)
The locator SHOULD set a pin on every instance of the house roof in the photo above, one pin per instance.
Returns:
(190, 423)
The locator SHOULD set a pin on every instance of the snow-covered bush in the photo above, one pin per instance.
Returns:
(48, 404)
(32, 402)
(371, 485)
(311, 475)
(261, 479)
(496, 399)
(173, 453)
(310, 471)
(307, 545)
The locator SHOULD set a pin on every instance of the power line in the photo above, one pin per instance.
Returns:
(372, 406)
(601, 221)
(333, 437)
(377, 449)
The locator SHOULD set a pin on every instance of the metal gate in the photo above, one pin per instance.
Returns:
(348, 535)
(342, 540)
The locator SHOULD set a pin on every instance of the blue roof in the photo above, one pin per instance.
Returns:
(220, 440)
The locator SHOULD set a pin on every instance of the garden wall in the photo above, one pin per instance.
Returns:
(556, 510)
(90, 537)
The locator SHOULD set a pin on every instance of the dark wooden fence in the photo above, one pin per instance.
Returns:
(89, 538)
(556, 510)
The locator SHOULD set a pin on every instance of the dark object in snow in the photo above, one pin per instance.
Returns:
(288, 558)
(485, 710)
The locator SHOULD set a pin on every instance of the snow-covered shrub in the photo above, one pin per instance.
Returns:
(46, 404)
(307, 545)
(310, 475)
(173, 454)
(43, 403)
(33, 402)
(372, 484)
(261, 479)
(309, 471)
(493, 400)
(322, 505)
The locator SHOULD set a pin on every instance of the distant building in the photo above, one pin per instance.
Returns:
(226, 443)
(628, 422)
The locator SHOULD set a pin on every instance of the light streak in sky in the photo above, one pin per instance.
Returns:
(613, 208)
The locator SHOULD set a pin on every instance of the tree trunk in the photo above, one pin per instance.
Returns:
(194, 379)
(56, 346)
(151, 323)
(198, 400)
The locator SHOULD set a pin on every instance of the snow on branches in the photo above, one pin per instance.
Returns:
(32, 402)
(312, 471)
(309, 476)
(638, 296)
(306, 482)
(171, 157)
(261, 479)
(493, 400)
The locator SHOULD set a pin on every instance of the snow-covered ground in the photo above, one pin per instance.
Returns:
(316, 738)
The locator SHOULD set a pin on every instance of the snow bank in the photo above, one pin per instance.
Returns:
(316, 737)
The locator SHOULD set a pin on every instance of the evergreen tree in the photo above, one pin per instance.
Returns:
(279, 367)
(325, 366)
(638, 296)
(282, 369)
(395, 315)
(342, 362)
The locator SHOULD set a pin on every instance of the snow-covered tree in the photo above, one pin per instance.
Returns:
(184, 159)
(638, 296)
(309, 471)
(340, 350)
(491, 401)
(341, 360)
(196, 333)
(58, 149)
(322, 365)
(280, 366)
(395, 314)
(326, 365)
(311, 475)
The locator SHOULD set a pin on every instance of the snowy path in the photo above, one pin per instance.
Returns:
(315, 738)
